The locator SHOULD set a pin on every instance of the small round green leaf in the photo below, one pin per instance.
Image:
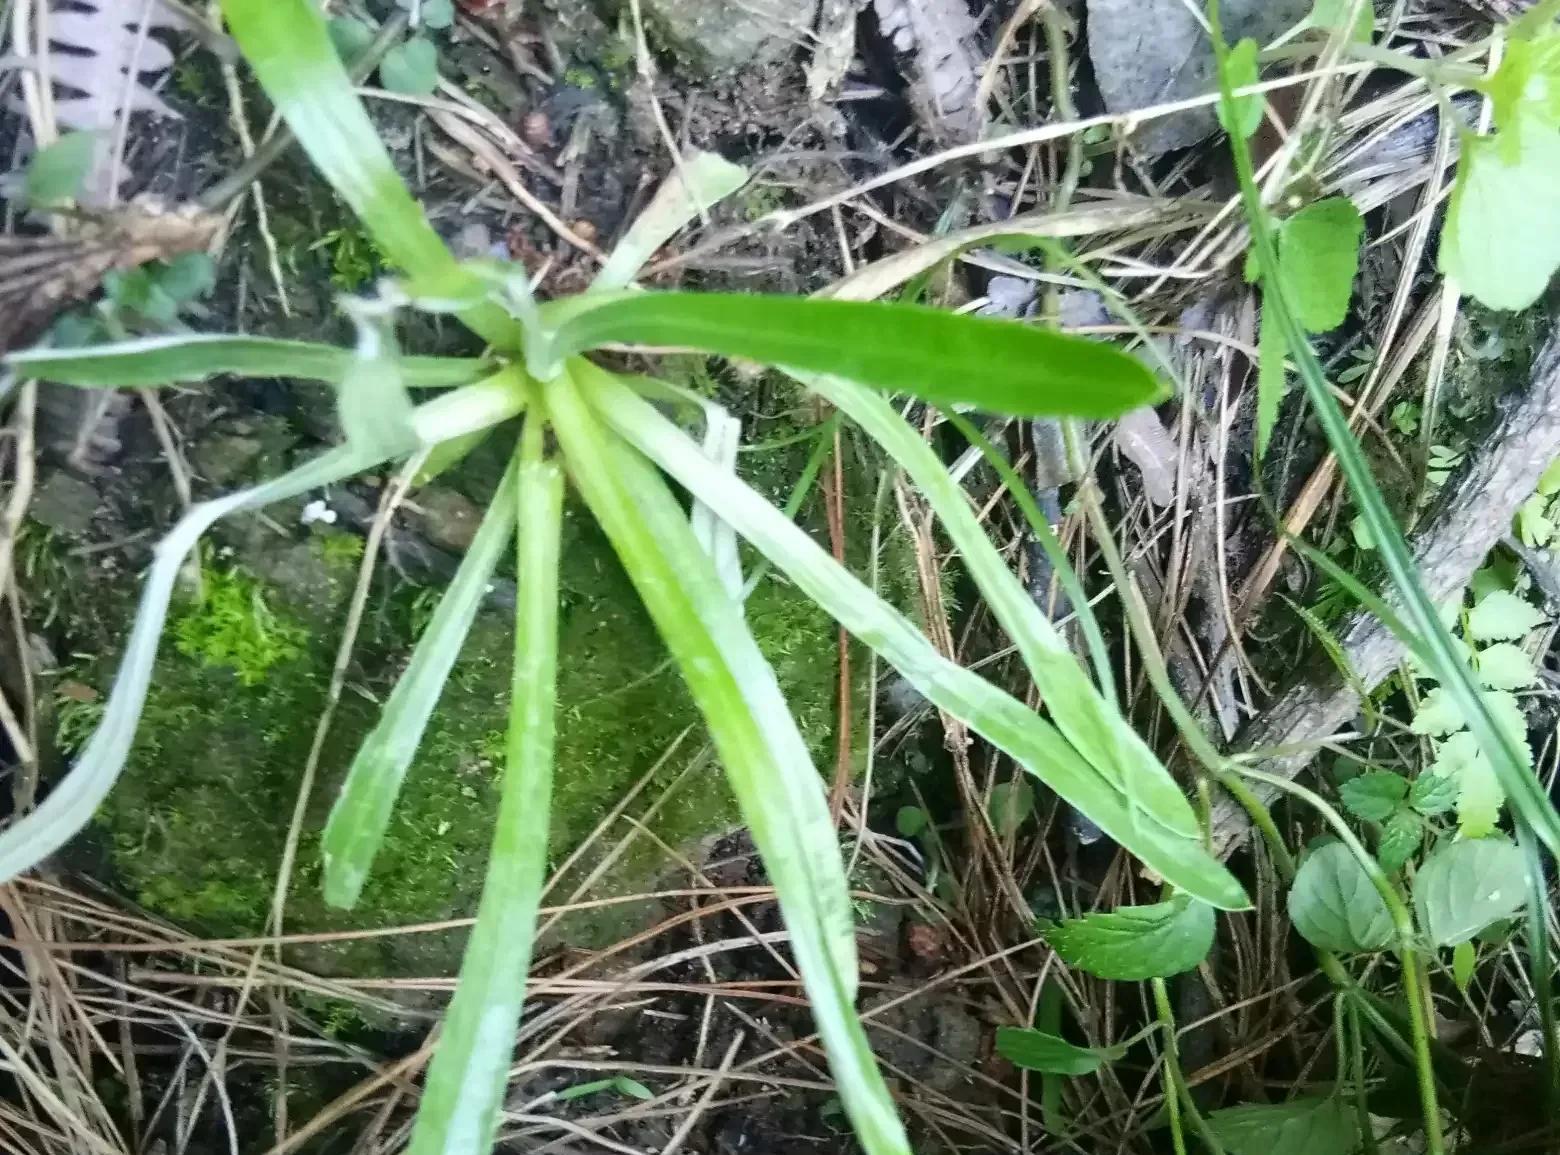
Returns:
(411, 68)
(351, 37)
(57, 173)
(1468, 885)
(1133, 943)
(1334, 905)
(1011, 803)
(910, 821)
(1374, 795)
(1318, 257)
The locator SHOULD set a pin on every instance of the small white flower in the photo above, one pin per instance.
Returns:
(317, 510)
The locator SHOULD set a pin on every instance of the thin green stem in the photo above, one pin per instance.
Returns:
(1351, 1013)
(1541, 961)
(1420, 1016)
(1178, 1097)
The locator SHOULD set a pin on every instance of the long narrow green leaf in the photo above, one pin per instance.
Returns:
(1095, 727)
(71, 803)
(1001, 366)
(766, 761)
(289, 48)
(152, 361)
(465, 1084)
(361, 813)
(1434, 641)
(1156, 822)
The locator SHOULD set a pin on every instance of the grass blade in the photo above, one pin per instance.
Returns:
(71, 803)
(1433, 640)
(289, 48)
(152, 361)
(780, 792)
(1092, 724)
(1146, 814)
(1000, 366)
(361, 812)
(465, 1083)
(699, 181)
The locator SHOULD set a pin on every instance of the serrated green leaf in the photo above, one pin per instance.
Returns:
(1374, 795)
(1038, 1051)
(1439, 713)
(411, 67)
(1011, 803)
(1318, 257)
(1479, 796)
(1400, 837)
(1243, 72)
(1468, 885)
(1433, 793)
(1502, 616)
(910, 821)
(1502, 239)
(1549, 483)
(55, 175)
(1533, 524)
(1330, 15)
(1335, 906)
(1134, 943)
(1506, 666)
(1306, 1126)
(999, 366)
(1465, 957)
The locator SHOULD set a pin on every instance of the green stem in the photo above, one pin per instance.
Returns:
(1351, 1013)
(1540, 960)
(1178, 1097)
(1420, 1016)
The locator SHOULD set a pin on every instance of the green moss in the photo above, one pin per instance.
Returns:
(232, 626)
